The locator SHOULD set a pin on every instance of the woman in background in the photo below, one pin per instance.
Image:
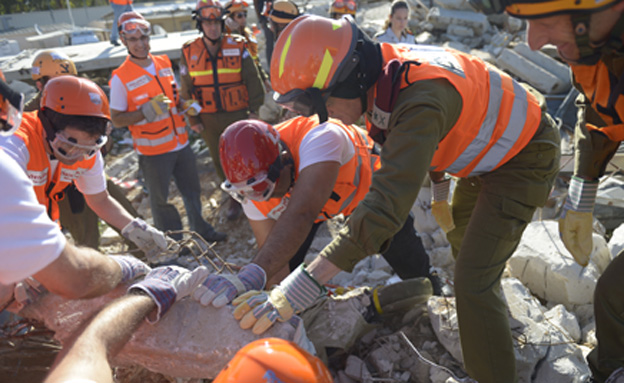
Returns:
(396, 30)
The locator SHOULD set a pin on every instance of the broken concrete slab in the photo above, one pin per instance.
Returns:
(545, 266)
(528, 71)
(560, 70)
(441, 18)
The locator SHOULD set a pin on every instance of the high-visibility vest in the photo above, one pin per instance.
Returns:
(498, 118)
(354, 177)
(121, 2)
(219, 87)
(48, 187)
(600, 88)
(251, 43)
(164, 134)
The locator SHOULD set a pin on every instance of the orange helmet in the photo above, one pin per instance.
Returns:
(132, 22)
(11, 107)
(75, 96)
(208, 10)
(274, 360)
(250, 157)
(51, 64)
(236, 6)
(283, 11)
(311, 56)
(342, 7)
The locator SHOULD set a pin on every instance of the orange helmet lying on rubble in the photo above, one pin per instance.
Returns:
(274, 360)
(50, 63)
(11, 107)
(250, 156)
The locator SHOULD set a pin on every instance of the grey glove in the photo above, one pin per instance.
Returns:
(155, 107)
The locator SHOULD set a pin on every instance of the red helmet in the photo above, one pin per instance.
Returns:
(75, 96)
(250, 157)
(274, 360)
(11, 107)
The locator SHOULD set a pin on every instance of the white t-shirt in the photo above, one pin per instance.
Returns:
(326, 142)
(119, 97)
(93, 181)
(29, 240)
(389, 37)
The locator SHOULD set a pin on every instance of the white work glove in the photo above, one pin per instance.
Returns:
(147, 238)
(27, 291)
(167, 285)
(576, 221)
(155, 107)
(131, 267)
(191, 108)
(258, 310)
(440, 208)
(220, 289)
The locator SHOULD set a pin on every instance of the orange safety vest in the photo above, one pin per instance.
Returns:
(48, 187)
(354, 177)
(251, 43)
(163, 135)
(499, 117)
(224, 89)
(121, 2)
(597, 84)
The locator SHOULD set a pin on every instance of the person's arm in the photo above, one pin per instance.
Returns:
(261, 230)
(120, 118)
(85, 272)
(186, 91)
(108, 332)
(311, 192)
(253, 81)
(108, 209)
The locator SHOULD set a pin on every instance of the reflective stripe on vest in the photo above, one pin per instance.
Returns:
(168, 130)
(210, 72)
(498, 117)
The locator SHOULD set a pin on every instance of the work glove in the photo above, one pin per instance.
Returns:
(167, 285)
(440, 208)
(131, 267)
(148, 239)
(220, 289)
(258, 310)
(155, 107)
(191, 107)
(576, 221)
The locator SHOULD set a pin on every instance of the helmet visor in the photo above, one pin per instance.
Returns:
(136, 27)
(256, 189)
(71, 150)
(304, 102)
(209, 12)
(10, 118)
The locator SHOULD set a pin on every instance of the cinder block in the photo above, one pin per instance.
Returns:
(562, 71)
(529, 72)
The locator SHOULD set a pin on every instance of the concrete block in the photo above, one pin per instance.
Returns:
(528, 71)
(460, 5)
(356, 369)
(441, 18)
(458, 30)
(562, 71)
(425, 38)
(457, 46)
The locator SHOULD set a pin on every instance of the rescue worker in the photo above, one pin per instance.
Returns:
(282, 12)
(395, 28)
(60, 144)
(236, 23)
(32, 247)
(588, 37)
(339, 8)
(75, 216)
(292, 178)
(145, 98)
(448, 112)
(234, 92)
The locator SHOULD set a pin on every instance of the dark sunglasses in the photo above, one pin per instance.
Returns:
(240, 15)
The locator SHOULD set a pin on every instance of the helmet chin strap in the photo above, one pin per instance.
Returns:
(590, 52)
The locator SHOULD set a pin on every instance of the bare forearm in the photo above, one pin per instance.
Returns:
(104, 337)
(121, 119)
(108, 209)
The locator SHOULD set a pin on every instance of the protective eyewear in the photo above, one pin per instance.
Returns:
(340, 4)
(10, 118)
(256, 189)
(209, 12)
(71, 150)
(136, 26)
(240, 15)
(305, 102)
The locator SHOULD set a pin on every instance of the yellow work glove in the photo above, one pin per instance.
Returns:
(191, 108)
(576, 221)
(258, 310)
(440, 208)
(155, 107)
